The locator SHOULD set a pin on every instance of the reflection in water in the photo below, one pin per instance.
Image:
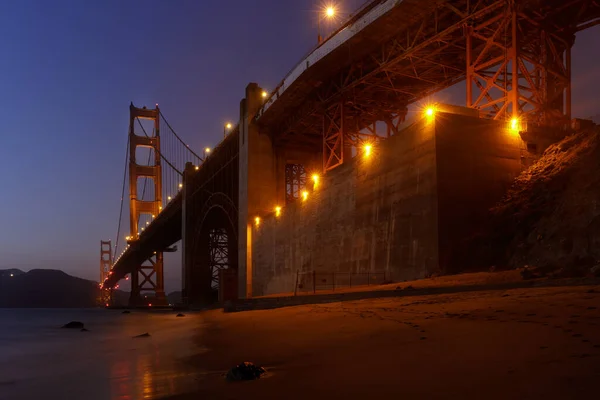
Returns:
(149, 372)
(105, 363)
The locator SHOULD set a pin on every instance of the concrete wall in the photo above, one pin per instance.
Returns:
(405, 210)
(477, 161)
(371, 214)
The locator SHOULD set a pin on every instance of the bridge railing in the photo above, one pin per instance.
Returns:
(328, 45)
(317, 281)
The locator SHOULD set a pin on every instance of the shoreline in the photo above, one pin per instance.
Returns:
(539, 342)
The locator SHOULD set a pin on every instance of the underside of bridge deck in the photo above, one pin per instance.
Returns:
(514, 54)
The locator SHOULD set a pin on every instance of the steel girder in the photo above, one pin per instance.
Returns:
(475, 40)
(521, 68)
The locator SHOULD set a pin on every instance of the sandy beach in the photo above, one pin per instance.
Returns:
(523, 344)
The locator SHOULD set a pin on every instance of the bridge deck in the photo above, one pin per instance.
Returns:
(374, 40)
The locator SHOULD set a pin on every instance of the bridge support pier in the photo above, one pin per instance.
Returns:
(272, 174)
(257, 183)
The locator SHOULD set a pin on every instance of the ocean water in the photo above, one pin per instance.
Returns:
(39, 360)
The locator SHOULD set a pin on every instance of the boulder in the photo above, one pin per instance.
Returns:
(245, 371)
(74, 325)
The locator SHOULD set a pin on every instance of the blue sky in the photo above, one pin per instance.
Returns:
(69, 70)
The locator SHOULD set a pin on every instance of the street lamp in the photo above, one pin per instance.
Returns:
(329, 12)
(226, 128)
(206, 151)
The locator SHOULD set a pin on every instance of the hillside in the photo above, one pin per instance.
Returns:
(44, 288)
(550, 218)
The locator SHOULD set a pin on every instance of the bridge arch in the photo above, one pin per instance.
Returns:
(214, 247)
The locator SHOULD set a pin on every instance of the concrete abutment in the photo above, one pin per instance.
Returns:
(404, 210)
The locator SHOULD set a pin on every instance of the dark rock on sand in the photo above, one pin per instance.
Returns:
(245, 371)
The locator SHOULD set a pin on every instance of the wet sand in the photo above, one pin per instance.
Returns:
(538, 343)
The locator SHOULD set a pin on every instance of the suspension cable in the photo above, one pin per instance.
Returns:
(122, 198)
(178, 138)
(161, 156)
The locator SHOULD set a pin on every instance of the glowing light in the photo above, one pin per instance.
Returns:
(127, 278)
(159, 208)
(368, 150)
(180, 185)
(330, 12)
(315, 178)
(277, 211)
(228, 125)
(11, 275)
(430, 111)
(257, 221)
(143, 229)
(207, 150)
(264, 94)
(106, 304)
(169, 198)
(514, 124)
(149, 304)
(127, 237)
(147, 223)
(304, 195)
(153, 216)
(197, 168)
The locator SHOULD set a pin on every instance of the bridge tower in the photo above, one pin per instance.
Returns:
(105, 266)
(148, 277)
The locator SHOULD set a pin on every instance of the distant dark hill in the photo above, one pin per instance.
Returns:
(45, 288)
(9, 272)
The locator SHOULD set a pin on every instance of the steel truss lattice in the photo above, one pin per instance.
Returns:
(515, 56)
(219, 254)
(519, 68)
(295, 181)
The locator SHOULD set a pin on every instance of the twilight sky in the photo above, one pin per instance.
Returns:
(69, 69)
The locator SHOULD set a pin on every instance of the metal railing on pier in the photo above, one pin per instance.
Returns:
(316, 281)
